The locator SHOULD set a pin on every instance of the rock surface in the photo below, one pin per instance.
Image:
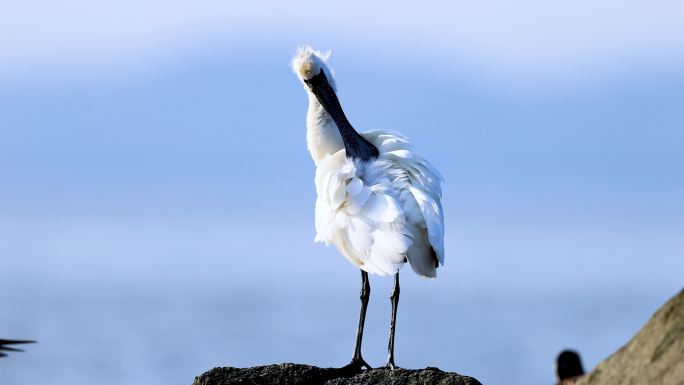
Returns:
(655, 356)
(295, 374)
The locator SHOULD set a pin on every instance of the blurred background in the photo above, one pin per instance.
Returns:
(157, 197)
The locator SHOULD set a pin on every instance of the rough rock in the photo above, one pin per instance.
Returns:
(655, 356)
(295, 374)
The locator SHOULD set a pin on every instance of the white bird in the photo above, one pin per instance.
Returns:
(378, 201)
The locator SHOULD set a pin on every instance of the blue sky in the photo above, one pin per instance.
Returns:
(218, 136)
(558, 130)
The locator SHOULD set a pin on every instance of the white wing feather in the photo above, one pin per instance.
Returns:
(383, 212)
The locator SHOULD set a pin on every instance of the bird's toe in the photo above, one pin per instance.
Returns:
(356, 366)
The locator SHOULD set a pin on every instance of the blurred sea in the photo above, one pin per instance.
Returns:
(167, 334)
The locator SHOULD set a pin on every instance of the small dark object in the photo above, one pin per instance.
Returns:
(568, 365)
(5, 348)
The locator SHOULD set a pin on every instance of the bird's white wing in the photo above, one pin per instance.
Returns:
(424, 183)
(383, 212)
(360, 215)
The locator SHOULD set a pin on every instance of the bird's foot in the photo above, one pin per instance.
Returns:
(356, 366)
(391, 366)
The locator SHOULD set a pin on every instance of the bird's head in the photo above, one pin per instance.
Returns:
(307, 63)
(312, 70)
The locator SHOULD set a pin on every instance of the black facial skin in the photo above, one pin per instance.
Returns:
(356, 146)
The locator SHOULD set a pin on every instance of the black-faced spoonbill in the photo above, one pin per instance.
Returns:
(378, 201)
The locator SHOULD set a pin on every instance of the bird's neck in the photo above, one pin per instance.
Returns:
(322, 136)
(330, 131)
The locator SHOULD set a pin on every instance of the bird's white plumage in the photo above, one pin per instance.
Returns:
(382, 212)
(308, 62)
(378, 213)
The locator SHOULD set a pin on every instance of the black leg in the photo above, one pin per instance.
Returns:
(394, 297)
(358, 362)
